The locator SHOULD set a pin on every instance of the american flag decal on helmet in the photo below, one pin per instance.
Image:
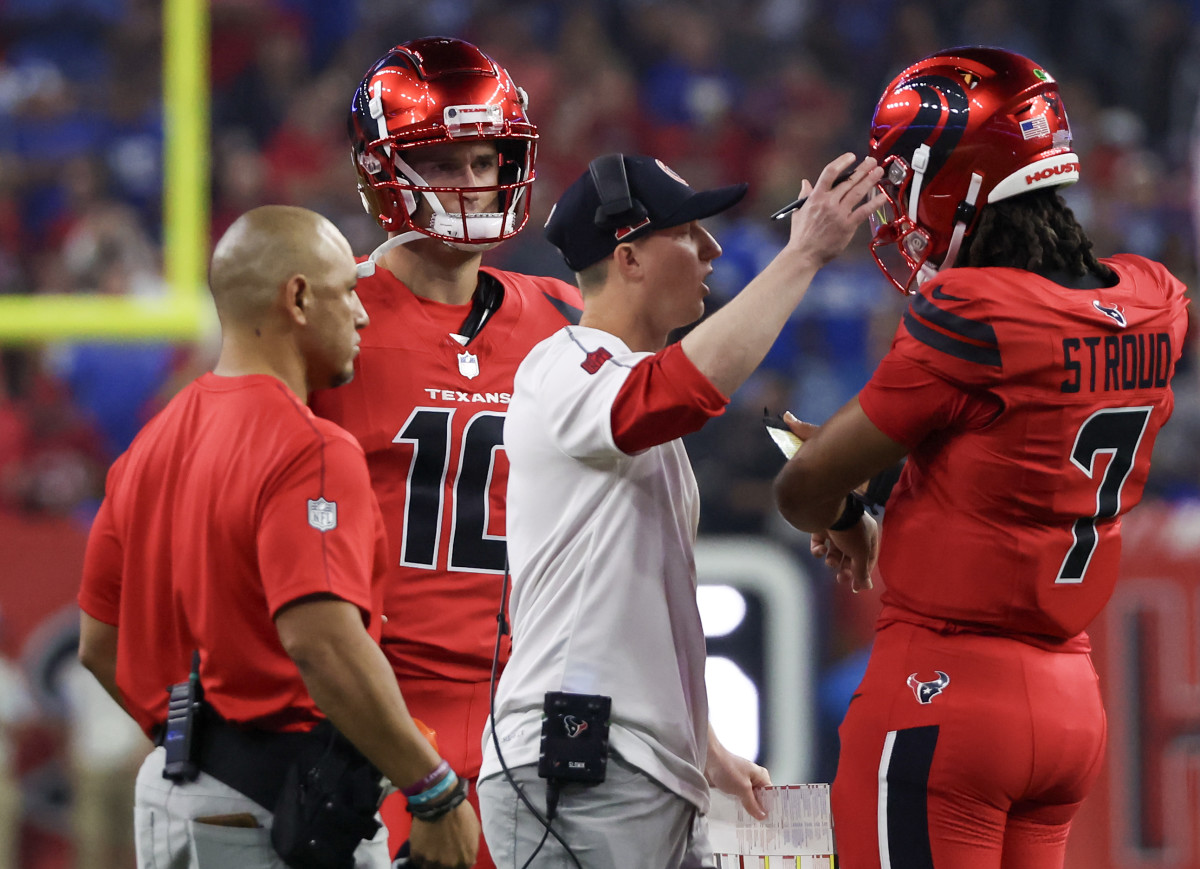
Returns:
(1035, 127)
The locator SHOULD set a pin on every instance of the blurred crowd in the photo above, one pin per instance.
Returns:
(764, 91)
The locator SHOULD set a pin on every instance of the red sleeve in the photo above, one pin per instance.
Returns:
(949, 328)
(664, 397)
(319, 529)
(100, 590)
(906, 402)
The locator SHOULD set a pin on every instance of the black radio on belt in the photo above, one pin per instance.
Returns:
(574, 737)
(181, 736)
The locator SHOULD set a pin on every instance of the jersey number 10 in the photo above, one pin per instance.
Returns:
(472, 548)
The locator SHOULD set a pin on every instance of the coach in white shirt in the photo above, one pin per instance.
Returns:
(603, 508)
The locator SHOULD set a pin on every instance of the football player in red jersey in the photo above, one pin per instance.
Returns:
(1026, 384)
(445, 153)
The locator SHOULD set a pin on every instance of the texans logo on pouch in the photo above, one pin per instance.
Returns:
(574, 726)
(926, 691)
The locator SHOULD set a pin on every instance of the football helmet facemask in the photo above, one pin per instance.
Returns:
(955, 131)
(437, 91)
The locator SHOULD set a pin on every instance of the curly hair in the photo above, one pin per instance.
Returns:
(1035, 231)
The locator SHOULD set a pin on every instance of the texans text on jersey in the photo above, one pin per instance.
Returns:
(454, 396)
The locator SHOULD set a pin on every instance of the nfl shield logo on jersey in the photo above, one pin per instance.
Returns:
(322, 514)
(468, 365)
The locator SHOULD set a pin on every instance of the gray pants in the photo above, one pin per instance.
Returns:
(174, 826)
(629, 821)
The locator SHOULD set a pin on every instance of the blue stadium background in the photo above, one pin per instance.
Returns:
(764, 91)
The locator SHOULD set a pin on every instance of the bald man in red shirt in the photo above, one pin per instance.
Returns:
(241, 529)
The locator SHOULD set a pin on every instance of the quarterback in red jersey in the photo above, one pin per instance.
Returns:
(1026, 384)
(445, 156)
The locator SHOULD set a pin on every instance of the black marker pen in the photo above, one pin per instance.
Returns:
(792, 206)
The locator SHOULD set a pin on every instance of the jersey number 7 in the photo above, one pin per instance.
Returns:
(1117, 432)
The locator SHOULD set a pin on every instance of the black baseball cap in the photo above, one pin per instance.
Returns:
(641, 195)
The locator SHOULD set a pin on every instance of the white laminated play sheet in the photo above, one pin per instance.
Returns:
(796, 834)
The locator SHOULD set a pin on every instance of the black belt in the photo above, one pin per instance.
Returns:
(252, 762)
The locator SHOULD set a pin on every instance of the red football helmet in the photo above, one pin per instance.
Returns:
(439, 90)
(955, 131)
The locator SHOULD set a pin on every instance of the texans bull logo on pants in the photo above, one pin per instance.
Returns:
(926, 691)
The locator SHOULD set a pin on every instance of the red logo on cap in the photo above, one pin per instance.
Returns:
(663, 166)
(591, 364)
(624, 231)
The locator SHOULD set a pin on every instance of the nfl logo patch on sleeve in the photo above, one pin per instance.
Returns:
(322, 514)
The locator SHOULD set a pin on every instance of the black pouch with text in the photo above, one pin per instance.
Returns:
(574, 745)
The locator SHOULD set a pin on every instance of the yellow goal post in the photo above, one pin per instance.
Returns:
(184, 311)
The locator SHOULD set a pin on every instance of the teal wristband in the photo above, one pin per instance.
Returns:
(427, 796)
